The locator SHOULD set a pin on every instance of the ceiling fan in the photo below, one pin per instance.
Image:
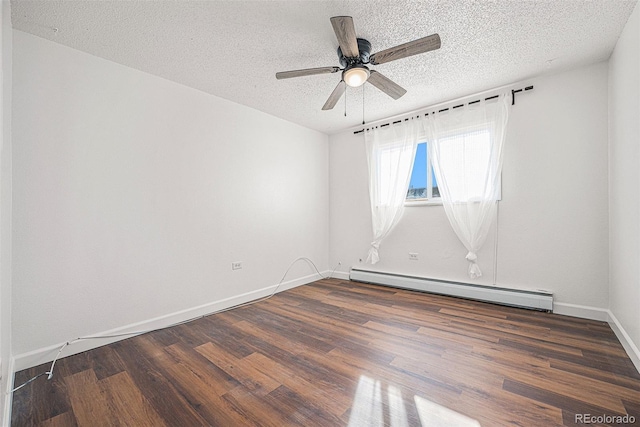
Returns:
(354, 53)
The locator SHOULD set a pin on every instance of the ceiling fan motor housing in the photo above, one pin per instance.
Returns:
(365, 50)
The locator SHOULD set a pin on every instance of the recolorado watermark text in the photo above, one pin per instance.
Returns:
(604, 419)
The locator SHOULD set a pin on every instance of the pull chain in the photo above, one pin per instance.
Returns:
(363, 104)
(345, 99)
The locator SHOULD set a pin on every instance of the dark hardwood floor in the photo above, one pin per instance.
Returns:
(338, 353)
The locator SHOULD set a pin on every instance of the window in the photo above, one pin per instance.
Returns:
(423, 184)
(465, 156)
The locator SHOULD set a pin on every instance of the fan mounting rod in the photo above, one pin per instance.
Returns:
(364, 48)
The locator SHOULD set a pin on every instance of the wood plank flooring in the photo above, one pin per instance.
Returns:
(340, 353)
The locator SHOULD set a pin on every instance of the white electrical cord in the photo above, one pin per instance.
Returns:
(49, 373)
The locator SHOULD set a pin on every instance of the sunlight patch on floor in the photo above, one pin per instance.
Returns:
(369, 408)
(432, 414)
(367, 404)
(397, 411)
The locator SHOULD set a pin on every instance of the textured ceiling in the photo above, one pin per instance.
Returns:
(233, 49)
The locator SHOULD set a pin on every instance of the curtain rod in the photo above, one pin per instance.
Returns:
(513, 102)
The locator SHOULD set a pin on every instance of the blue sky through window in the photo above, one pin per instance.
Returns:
(419, 173)
(420, 176)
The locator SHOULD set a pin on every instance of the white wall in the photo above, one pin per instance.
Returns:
(5, 211)
(624, 186)
(553, 220)
(132, 196)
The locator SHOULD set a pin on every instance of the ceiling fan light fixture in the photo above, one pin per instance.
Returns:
(356, 75)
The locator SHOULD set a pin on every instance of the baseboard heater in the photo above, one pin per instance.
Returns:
(535, 300)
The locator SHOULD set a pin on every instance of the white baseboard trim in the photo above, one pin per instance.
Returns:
(47, 354)
(8, 396)
(603, 315)
(625, 340)
(343, 275)
(582, 311)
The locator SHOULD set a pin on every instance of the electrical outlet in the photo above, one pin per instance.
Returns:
(413, 256)
(236, 266)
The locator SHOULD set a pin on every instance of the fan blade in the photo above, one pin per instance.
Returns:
(415, 47)
(335, 96)
(346, 35)
(387, 86)
(306, 72)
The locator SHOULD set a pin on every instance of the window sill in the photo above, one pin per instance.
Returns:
(422, 202)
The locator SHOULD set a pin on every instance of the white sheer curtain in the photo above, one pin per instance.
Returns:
(390, 153)
(466, 146)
